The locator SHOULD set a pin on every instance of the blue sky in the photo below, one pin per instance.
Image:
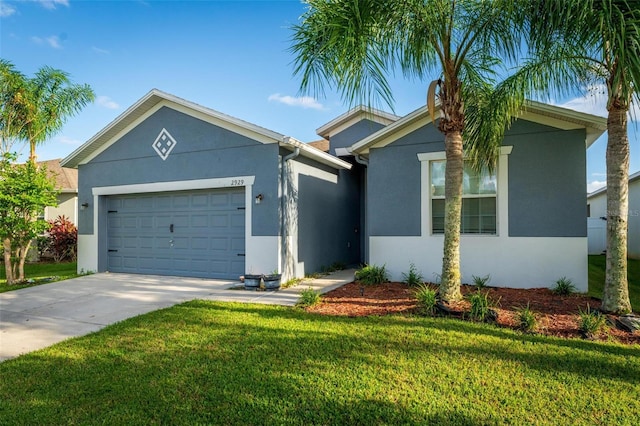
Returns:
(231, 56)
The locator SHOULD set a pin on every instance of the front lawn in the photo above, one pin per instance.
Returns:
(597, 267)
(223, 363)
(40, 273)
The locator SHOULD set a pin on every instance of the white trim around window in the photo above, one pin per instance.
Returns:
(502, 196)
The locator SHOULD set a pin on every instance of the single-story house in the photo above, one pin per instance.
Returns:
(597, 213)
(171, 187)
(67, 183)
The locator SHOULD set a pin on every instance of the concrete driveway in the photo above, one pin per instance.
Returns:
(37, 317)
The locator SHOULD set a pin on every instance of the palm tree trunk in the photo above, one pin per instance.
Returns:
(449, 289)
(7, 261)
(616, 288)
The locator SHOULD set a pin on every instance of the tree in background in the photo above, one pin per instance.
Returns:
(31, 111)
(25, 190)
(591, 43)
(353, 45)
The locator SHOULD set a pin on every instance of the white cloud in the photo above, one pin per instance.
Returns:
(595, 185)
(595, 102)
(101, 51)
(52, 4)
(302, 101)
(52, 41)
(67, 140)
(6, 10)
(107, 102)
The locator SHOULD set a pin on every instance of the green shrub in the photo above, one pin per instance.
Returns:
(372, 274)
(591, 322)
(481, 305)
(309, 297)
(481, 282)
(564, 287)
(527, 320)
(413, 278)
(426, 298)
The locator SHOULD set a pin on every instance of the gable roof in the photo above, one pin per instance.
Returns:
(156, 99)
(353, 116)
(536, 112)
(632, 178)
(66, 178)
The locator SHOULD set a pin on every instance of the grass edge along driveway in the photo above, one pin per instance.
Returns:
(213, 362)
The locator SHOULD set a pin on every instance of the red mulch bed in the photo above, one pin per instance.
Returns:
(557, 315)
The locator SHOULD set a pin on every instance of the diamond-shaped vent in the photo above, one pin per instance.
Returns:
(164, 144)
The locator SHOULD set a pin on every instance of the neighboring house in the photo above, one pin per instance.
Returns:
(67, 183)
(597, 212)
(174, 188)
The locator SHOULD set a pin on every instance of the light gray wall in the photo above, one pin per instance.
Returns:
(202, 151)
(353, 134)
(547, 190)
(547, 181)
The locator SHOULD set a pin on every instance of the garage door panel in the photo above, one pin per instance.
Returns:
(207, 238)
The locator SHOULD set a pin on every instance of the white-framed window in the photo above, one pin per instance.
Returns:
(479, 199)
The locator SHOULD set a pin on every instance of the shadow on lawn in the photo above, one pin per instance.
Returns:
(214, 362)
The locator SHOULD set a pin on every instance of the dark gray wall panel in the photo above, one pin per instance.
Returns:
(353, 134)
(547, 190)
(202, 151)
(329, 220)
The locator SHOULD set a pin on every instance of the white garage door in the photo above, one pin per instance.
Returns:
(187, 233)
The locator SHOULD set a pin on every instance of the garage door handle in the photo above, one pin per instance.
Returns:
(112, 251)
(241, 254)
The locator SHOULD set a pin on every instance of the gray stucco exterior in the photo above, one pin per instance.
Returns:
(202, 151)
(352, 134)
(547, 193)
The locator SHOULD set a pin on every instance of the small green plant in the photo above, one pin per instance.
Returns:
(309, 297)
(372, 274)
(527, 320)
(338, 266)
(426, 297)
(313, 275)
(591, 322)
(292, 282)
(564, 287)
(481, 305)
(413, 278)
(480, 282)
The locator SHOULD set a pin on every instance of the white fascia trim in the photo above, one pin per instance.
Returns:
(315, 153)
(402, 127)
(353, 116)
(502, 196)
(179, 185)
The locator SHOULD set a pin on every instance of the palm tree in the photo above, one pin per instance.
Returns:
(582, 43)
(353, 45)
(12, 87)
(51, 99)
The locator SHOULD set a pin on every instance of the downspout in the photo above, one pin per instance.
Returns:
(284, 231)
(364, 240)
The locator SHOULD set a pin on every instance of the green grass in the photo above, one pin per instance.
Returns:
(597, 266)
(223, 363)
(39, 272)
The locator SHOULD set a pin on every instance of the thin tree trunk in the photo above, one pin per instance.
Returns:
(7, 261)
(616, 287)
(22, 256)
(449, 289)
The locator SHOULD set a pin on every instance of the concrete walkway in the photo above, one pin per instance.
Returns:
(37, 317)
